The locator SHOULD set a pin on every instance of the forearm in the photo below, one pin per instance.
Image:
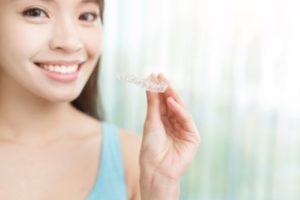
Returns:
(158, 187)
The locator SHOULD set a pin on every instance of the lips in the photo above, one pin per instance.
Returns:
(62, 71)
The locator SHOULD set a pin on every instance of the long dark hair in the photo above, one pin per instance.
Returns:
(89, 101)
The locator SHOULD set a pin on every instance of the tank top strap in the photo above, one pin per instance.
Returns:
(110, 183)
(112, 161)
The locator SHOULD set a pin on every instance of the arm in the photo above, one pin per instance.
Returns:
(159, 187)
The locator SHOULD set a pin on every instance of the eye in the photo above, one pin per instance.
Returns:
(35, 12)
(89, 16)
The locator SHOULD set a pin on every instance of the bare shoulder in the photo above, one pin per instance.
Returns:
(131, 145)
(130, 140)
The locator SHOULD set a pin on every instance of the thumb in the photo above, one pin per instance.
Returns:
(153, 103)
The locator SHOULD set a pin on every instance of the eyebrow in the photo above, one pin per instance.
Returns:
(82, 1)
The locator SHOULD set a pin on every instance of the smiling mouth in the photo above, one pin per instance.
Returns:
(60, 69)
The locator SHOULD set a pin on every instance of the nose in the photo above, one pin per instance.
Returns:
(65, 37)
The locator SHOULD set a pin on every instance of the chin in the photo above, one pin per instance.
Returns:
(62, 98)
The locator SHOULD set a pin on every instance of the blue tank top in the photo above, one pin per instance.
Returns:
(110, 183)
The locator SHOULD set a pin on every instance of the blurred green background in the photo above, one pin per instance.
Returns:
(236, 64)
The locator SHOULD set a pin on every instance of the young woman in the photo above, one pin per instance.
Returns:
(53, 142)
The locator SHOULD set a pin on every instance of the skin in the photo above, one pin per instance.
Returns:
(30, 103)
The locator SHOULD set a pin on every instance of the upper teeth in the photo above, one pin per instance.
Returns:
(60, 68)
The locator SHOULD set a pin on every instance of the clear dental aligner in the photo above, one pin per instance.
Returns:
(148, 83)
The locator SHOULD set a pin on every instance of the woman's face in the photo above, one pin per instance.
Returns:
(48, 48)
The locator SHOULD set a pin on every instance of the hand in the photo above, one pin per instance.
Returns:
(170, 138)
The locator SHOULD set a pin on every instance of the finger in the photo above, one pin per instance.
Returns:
(153, 105)
(181, 114)
(163, 105)
(156, 99)
(163, 102)
(170, 91)
(170, 125)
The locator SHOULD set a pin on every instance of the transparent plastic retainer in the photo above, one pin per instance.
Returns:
(149, 83)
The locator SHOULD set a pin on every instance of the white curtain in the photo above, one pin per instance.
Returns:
(236, 63)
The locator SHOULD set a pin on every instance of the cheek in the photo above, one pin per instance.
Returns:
(24, 39)
(94, 42)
